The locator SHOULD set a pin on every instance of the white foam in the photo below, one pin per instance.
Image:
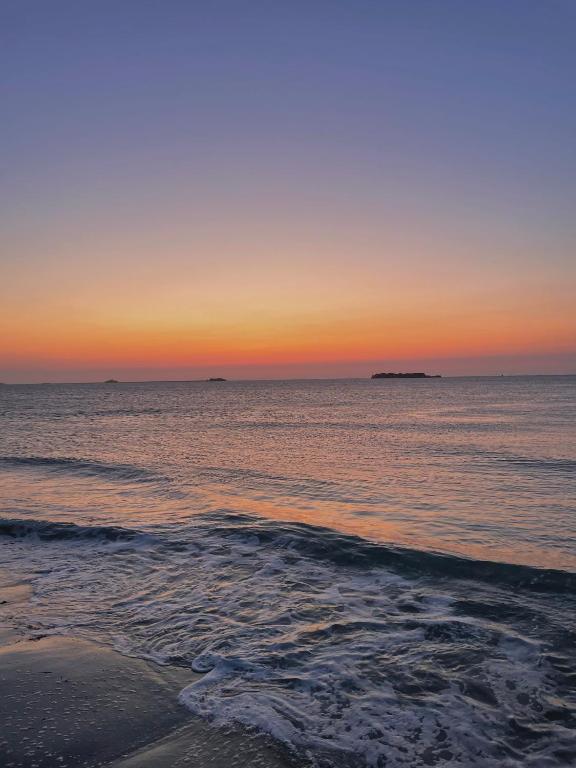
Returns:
(337, 663)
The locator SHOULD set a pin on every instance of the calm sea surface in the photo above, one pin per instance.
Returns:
(378, 573)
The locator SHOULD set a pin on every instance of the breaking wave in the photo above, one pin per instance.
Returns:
(350, 653)
(46, 530)
(313, 542)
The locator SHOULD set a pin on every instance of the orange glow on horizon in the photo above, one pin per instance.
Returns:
(277, 341)
(211, 310)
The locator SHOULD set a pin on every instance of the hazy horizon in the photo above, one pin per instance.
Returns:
(560, 365)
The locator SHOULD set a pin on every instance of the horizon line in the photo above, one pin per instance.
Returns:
(292, 378)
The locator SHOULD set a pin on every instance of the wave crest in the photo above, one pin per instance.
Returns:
(125, 472)
(46, 530)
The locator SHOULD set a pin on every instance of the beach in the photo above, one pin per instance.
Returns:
(344, 574)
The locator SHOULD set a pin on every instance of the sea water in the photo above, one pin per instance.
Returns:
(376, 573)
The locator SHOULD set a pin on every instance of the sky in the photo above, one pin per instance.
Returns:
(267, 189)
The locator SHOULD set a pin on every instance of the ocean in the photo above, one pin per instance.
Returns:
(374, 572)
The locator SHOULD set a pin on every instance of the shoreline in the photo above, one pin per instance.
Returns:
(73, 703)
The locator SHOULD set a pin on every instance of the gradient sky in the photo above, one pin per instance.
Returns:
(261, 188)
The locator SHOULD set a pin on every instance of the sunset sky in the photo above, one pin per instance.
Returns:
(306, 188)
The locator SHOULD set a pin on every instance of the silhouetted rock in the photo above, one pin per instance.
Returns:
(404, 376)
(111, 381)
(217, 378)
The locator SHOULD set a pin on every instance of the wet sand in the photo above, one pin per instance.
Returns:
(69, 703)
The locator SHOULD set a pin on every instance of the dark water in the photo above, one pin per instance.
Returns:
(379, 573)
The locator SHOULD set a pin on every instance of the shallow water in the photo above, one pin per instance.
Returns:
(375, 572)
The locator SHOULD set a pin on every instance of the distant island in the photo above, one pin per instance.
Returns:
(404, 376)
(111, 381)
(217, 378)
